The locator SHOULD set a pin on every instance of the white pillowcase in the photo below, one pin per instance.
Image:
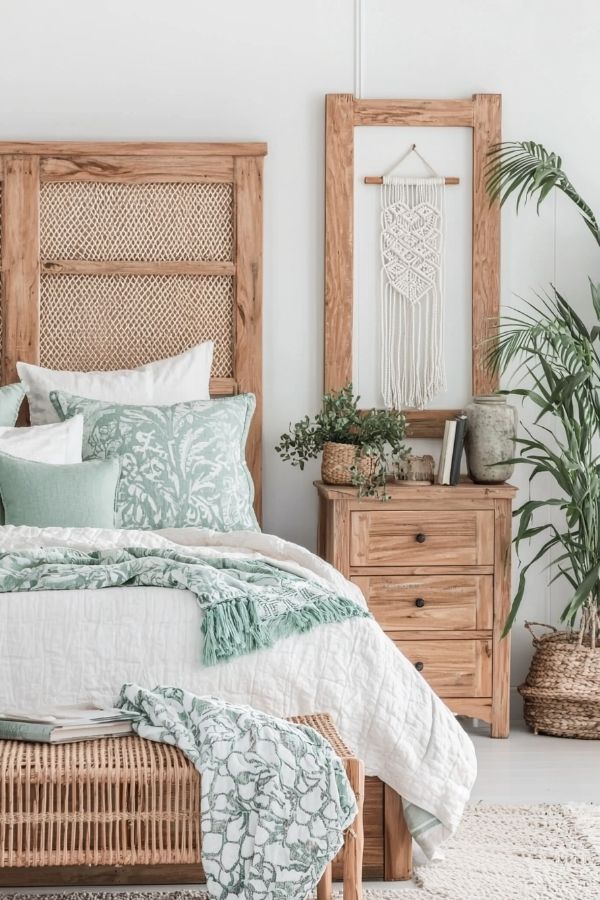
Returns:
(57, 444)
(178, 379)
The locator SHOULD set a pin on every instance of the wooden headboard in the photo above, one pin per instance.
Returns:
(117, 254)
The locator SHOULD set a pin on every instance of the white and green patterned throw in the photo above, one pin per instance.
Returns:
(275, 797)
(248, 604)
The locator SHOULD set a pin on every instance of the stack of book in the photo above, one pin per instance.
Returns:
(64, 725)
(452, 450)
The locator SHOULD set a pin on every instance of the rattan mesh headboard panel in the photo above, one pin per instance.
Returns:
(114, 255)
(122, 321)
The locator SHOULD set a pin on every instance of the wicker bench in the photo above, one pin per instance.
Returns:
(354, 838)
(121, 803)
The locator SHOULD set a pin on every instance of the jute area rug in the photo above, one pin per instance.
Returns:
(499, 853)
(519, 853)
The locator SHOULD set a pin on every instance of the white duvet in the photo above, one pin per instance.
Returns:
(64, 647)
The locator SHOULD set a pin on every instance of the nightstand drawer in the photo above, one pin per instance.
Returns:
(453, 668)
(429, 602)
(413, 537)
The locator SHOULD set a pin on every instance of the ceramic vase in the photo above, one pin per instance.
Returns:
(490, 438)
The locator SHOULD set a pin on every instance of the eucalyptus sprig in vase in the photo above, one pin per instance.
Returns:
(358, 446)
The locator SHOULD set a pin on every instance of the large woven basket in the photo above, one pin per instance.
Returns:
(338, 460)
(562, 689)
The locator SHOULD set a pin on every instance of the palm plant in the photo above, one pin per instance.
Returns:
(552, 345)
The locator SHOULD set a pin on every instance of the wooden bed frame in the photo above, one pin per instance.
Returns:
(101, 247)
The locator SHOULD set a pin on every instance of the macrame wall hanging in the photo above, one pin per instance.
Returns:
(412, 249)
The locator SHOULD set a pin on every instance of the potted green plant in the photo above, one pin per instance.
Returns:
(559, 356)
(357, 445)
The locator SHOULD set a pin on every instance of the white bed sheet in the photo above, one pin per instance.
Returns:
(59, 647)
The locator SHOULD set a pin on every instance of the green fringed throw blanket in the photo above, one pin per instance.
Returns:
(275, 798)
(248, 604)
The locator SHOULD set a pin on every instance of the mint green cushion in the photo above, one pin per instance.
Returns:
(77, 495)
(11, 397)
(182, 465)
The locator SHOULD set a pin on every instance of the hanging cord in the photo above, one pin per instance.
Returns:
(405, 155)
(359, 58)
(359, 48)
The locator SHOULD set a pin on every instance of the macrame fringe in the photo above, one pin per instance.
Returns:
(233, 627)
(412, 333)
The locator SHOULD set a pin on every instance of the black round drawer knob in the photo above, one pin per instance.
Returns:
(421, 538)
(420, 602)
(419, 666)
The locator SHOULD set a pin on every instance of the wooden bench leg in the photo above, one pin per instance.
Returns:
(355, 839)
(325, 886)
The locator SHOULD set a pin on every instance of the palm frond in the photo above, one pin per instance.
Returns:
(527, 170)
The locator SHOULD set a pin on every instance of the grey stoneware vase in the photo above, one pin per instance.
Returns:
(490, 438)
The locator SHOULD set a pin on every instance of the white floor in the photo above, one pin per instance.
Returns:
(526, 768)
(521, 769)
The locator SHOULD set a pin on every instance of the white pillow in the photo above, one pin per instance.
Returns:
(56, 444)
(179, 379)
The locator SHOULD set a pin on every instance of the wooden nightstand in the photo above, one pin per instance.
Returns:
(434, 565)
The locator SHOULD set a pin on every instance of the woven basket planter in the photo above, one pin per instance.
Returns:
(562, 689)
(338, 460)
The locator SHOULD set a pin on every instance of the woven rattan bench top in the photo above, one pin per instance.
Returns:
(323, 723)
(33, 761)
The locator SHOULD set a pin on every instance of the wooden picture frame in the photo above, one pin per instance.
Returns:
(25, 267)
(482, 114)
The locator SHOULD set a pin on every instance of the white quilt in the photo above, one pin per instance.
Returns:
(63, 647)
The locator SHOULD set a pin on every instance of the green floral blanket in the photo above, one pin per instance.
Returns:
(275, 797)
(248, 604)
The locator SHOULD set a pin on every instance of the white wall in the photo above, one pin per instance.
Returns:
(234, 69)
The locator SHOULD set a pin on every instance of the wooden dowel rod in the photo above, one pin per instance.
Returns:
(378, 179)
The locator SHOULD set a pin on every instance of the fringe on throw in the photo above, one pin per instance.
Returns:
(234, 627)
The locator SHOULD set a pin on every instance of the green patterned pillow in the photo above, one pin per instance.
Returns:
(181, 465)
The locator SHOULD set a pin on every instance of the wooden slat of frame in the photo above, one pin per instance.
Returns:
(137, 170)
(134, 267)
(20, 264)
(69, 149)
(248, 294)
(223, 387)
(428, 423)
(339, 225)
(414, 113)
(487, 131)
(378, 179)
